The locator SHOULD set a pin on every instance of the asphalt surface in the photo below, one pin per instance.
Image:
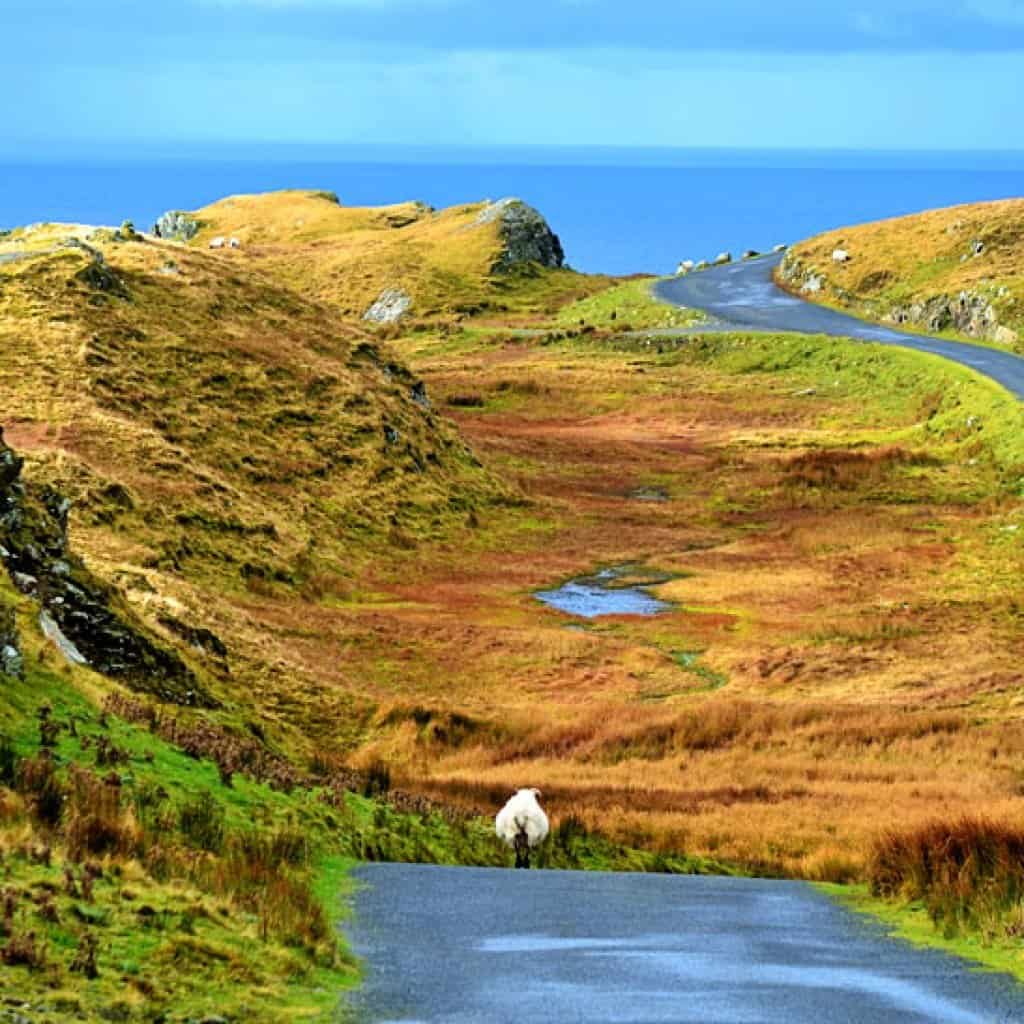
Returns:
(486, 946)
(744, 295)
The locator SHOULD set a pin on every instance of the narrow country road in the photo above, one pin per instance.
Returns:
(745, 295)
(486, 946)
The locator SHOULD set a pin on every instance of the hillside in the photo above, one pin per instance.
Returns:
(221, 440)
(958, 270)
(498, 257)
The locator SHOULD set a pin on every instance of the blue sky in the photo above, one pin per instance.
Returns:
(875, 74)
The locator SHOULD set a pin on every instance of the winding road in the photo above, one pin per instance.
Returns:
(487, 946)
(744, 295)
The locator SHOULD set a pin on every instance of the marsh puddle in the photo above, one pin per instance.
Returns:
(616, 591)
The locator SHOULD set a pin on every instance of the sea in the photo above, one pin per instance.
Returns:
(618, 211)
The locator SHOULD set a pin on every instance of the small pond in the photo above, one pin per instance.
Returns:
(615, 591)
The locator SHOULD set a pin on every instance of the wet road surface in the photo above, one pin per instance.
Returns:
(745, 295)
(486, 946)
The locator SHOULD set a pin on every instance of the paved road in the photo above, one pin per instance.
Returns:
(744, 294)
(484, 946)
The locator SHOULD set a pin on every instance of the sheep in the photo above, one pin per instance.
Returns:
(522, 824)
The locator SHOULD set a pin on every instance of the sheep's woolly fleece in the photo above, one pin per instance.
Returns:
(522, 812)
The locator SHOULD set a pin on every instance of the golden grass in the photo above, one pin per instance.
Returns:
(913, 258)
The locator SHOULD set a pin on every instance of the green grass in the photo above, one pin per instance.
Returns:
(911, 922)
(627, 305)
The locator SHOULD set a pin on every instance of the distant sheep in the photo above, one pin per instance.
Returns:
(522, 824)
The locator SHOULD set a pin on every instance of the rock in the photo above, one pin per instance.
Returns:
(781, 247)
(721, 259)
(750, 254)
(840, 256)
(234, 243)
(56, 636)
(11, 663)
(391, 305)
(419, 394)
(977, 247)
(813, 284)
(82, 616)
(1004, 335)
(685, 267)
(703, 265)
(176, 226)
(391, 435)
(525, 233)
(218, 242)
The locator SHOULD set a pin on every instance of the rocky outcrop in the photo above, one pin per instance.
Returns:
(177, 226)
(391, 305)
(11, 663)
(970, 313)
(81, 616)
(526, 235)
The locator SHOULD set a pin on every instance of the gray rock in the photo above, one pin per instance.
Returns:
(526, 235)
(813, 284)
(419, 394)
(176, 225)
(722, 258)
(685, 267)
(750, 254)
(781, 247)
(218, 242)
(703, 265)
(391, 305)
(840, 256)
(56, 636)
(11, 661)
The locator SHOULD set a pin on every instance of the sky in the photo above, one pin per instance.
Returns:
(859, 74)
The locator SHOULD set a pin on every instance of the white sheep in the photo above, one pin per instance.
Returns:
(522, 824)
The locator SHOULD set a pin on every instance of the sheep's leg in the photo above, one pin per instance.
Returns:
(522, 848)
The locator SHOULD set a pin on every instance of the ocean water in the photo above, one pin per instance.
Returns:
(616, 211)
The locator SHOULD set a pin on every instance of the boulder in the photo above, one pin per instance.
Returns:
(703, 265)
(840, 256)
(1004, 335)
(781, 247)
(391, 305)
(176, 226)
(218, 242)
(722, 258)
(750, 254)
(685, 267)
(813, 284)
(234, 243)
(526, 235)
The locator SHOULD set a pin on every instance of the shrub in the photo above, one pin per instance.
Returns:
(202, 823)
(968, 873)
(96, 823)
(37, 779)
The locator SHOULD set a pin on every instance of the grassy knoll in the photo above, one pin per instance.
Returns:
(911, 267)
(626, 306)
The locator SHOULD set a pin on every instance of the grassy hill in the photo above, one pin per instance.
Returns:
(957, 271)
(450, 262)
